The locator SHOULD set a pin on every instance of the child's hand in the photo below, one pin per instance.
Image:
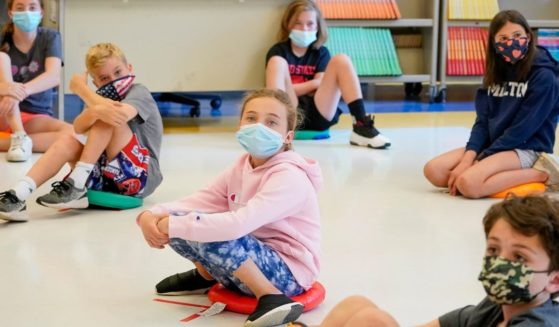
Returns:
(111, 114)
(163, 225)
(78, 81)
(455, 174)
(8, 105)
(14, 90)
(153, 236)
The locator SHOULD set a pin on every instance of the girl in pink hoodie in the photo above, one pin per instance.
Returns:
(256, 228)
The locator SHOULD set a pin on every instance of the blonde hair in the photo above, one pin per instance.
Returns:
(98, 54)
(293, 10)
(293, 115)
(7, 31)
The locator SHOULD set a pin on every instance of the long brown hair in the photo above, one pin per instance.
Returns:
(293, 10)
(7, 31)
(495, 67)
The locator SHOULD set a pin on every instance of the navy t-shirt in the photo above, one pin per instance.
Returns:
(27, 66)
(303, 68)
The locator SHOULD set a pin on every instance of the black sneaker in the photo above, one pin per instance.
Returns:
(186, 283)
(64, 195)
(365, 134)
(11, 207)
(274, 310)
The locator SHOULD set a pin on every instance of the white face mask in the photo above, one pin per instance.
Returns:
(302, 38)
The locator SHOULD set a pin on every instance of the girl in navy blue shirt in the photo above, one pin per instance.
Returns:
(300, 65)
(516, 111)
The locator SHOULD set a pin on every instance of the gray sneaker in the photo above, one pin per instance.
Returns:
(548, 163)
(65, 196)
(12, 208)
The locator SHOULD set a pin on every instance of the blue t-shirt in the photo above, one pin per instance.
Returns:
(27, 66)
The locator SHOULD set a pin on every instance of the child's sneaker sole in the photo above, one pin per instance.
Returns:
(80, 203)
(19, 217)
(279, 316)
(377, 142)
(180, 293)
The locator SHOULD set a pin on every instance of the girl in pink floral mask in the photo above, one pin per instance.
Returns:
(516, 108)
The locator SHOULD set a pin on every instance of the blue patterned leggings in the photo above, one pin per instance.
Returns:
(221, 259)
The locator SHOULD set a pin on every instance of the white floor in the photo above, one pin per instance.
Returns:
(387, 234)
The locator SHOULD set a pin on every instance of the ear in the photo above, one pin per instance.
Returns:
(131, 69)
(553, 285)
(289, 137)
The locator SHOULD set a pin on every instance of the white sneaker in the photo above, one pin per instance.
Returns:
(20, 148)
(365, 134)
(548, 163)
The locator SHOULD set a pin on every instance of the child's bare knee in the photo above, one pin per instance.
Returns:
(434, 175)
(468, 187)
(341, 59)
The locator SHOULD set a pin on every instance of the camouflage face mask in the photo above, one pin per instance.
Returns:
(507, 282)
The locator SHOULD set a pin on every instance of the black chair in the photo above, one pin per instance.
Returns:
(191, 99)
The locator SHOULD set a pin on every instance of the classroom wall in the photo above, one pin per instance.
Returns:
(178, 45)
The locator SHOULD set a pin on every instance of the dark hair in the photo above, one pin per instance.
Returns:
(495, 67)
(531, 215)
(7, 31)
(293, 10)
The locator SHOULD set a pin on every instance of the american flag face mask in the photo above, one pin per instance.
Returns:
(117, 89)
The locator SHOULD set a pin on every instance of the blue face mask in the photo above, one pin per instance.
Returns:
(27, 21)
(259, 140)
(302, 39)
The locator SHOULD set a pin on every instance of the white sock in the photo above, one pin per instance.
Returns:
(80, 174)
(24, 188)
(20, 133)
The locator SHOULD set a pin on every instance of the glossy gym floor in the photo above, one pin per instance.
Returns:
(387, 234)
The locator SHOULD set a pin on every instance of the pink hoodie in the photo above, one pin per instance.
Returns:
(276, 203)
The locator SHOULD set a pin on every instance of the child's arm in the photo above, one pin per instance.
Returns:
(213, 198)
(434, 323)
(48, 79)
(479, 136)
(282, 195)
(308, 86)
(538, 103)
(98, 108)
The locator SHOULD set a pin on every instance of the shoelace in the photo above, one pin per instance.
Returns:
(8, 196)
(60, 187)
(17, 142)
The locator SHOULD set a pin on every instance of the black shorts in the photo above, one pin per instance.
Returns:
(312, 118)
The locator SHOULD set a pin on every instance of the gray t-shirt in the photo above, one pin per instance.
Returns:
(27, 66)
(489, 314)
(148, 127)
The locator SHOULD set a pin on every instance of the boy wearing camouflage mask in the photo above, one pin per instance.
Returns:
(520, 274)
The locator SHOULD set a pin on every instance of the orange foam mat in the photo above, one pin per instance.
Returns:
(521, 190)
(359, 9)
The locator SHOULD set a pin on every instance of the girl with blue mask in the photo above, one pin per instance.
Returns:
(30, 67)
(301, 65)
(516, 117)
(266, 128)
(256, 228)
